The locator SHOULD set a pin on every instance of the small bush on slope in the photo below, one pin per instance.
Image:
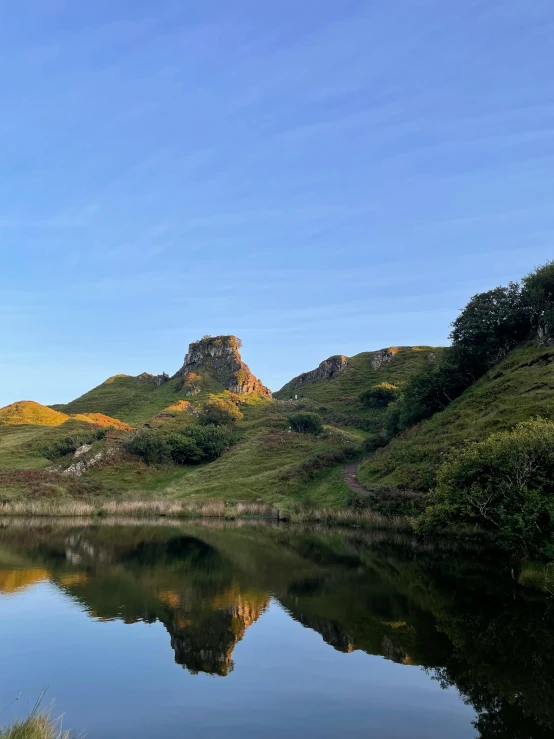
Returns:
(380, 396)
(504, 484)
(219, 412)
(68, 444)
(190, 446)
(306, 423)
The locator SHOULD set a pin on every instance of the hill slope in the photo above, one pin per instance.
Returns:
(29, 413)
(518, 388)
(211, 365)
(339, 380)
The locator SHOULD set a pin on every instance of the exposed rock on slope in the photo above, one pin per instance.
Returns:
(219, 357)
(328, 369)
(339, 380)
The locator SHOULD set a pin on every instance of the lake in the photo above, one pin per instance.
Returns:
(170, 629)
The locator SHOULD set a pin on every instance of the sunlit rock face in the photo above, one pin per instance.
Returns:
(219, 357)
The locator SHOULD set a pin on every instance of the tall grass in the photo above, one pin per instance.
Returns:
(37, 726)
(215, 509)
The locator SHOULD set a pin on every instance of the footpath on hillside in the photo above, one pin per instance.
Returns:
(349, 476)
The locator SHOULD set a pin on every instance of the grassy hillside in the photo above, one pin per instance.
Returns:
(342, 392)
(268, 464)
(28, 412)
(125, 398)
(518, 388)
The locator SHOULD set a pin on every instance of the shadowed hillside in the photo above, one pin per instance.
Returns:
(518, 388)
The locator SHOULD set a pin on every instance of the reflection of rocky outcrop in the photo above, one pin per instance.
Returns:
(205, 642)
(332, 632)
(218, 357)
(464, 621)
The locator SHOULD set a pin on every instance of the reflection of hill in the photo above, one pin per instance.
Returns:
(470, 625)
(13, 580)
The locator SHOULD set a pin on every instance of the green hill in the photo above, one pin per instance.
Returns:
(129, 399)
(212, 365)
(339, 381)
(518, 388)
(28, 412)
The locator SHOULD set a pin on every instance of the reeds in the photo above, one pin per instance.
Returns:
(216, 509)
(37, 726)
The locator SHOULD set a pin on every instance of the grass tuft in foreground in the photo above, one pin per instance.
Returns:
(37, 726)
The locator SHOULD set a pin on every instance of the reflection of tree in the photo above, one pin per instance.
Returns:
(464, 622)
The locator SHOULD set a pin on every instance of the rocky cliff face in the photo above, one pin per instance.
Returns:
(328, 369)
(219, 356)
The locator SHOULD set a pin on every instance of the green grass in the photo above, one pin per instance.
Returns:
(262, 467)
(519, 388)
(16, 448)
(342, 391)
(126, 399)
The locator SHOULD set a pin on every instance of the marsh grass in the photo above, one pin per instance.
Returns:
(216, 509)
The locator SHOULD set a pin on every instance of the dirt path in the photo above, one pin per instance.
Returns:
(349, 472)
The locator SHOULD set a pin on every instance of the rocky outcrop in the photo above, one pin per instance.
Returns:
(218, 357)
(383, 356)
(328, 369)
(158, 380)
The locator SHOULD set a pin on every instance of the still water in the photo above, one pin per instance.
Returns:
(196, 631)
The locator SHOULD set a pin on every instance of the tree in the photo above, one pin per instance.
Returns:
(490, 325)
(306, 423)
(219, 412)
(505, 485)
(538, 297)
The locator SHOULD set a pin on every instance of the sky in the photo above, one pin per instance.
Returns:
(314, 176)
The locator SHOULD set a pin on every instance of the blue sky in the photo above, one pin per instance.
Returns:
(314, 176)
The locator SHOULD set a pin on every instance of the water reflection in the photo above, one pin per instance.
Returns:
(445, 611)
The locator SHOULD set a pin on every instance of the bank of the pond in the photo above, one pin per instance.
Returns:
(207, 509)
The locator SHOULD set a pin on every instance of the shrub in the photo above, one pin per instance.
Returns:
(306, 423)
(152, 446)
(211, 440)
(190, 446)
(183, 449)
(219, 412)
(380, 396)
(504, 484)
(69, 444)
